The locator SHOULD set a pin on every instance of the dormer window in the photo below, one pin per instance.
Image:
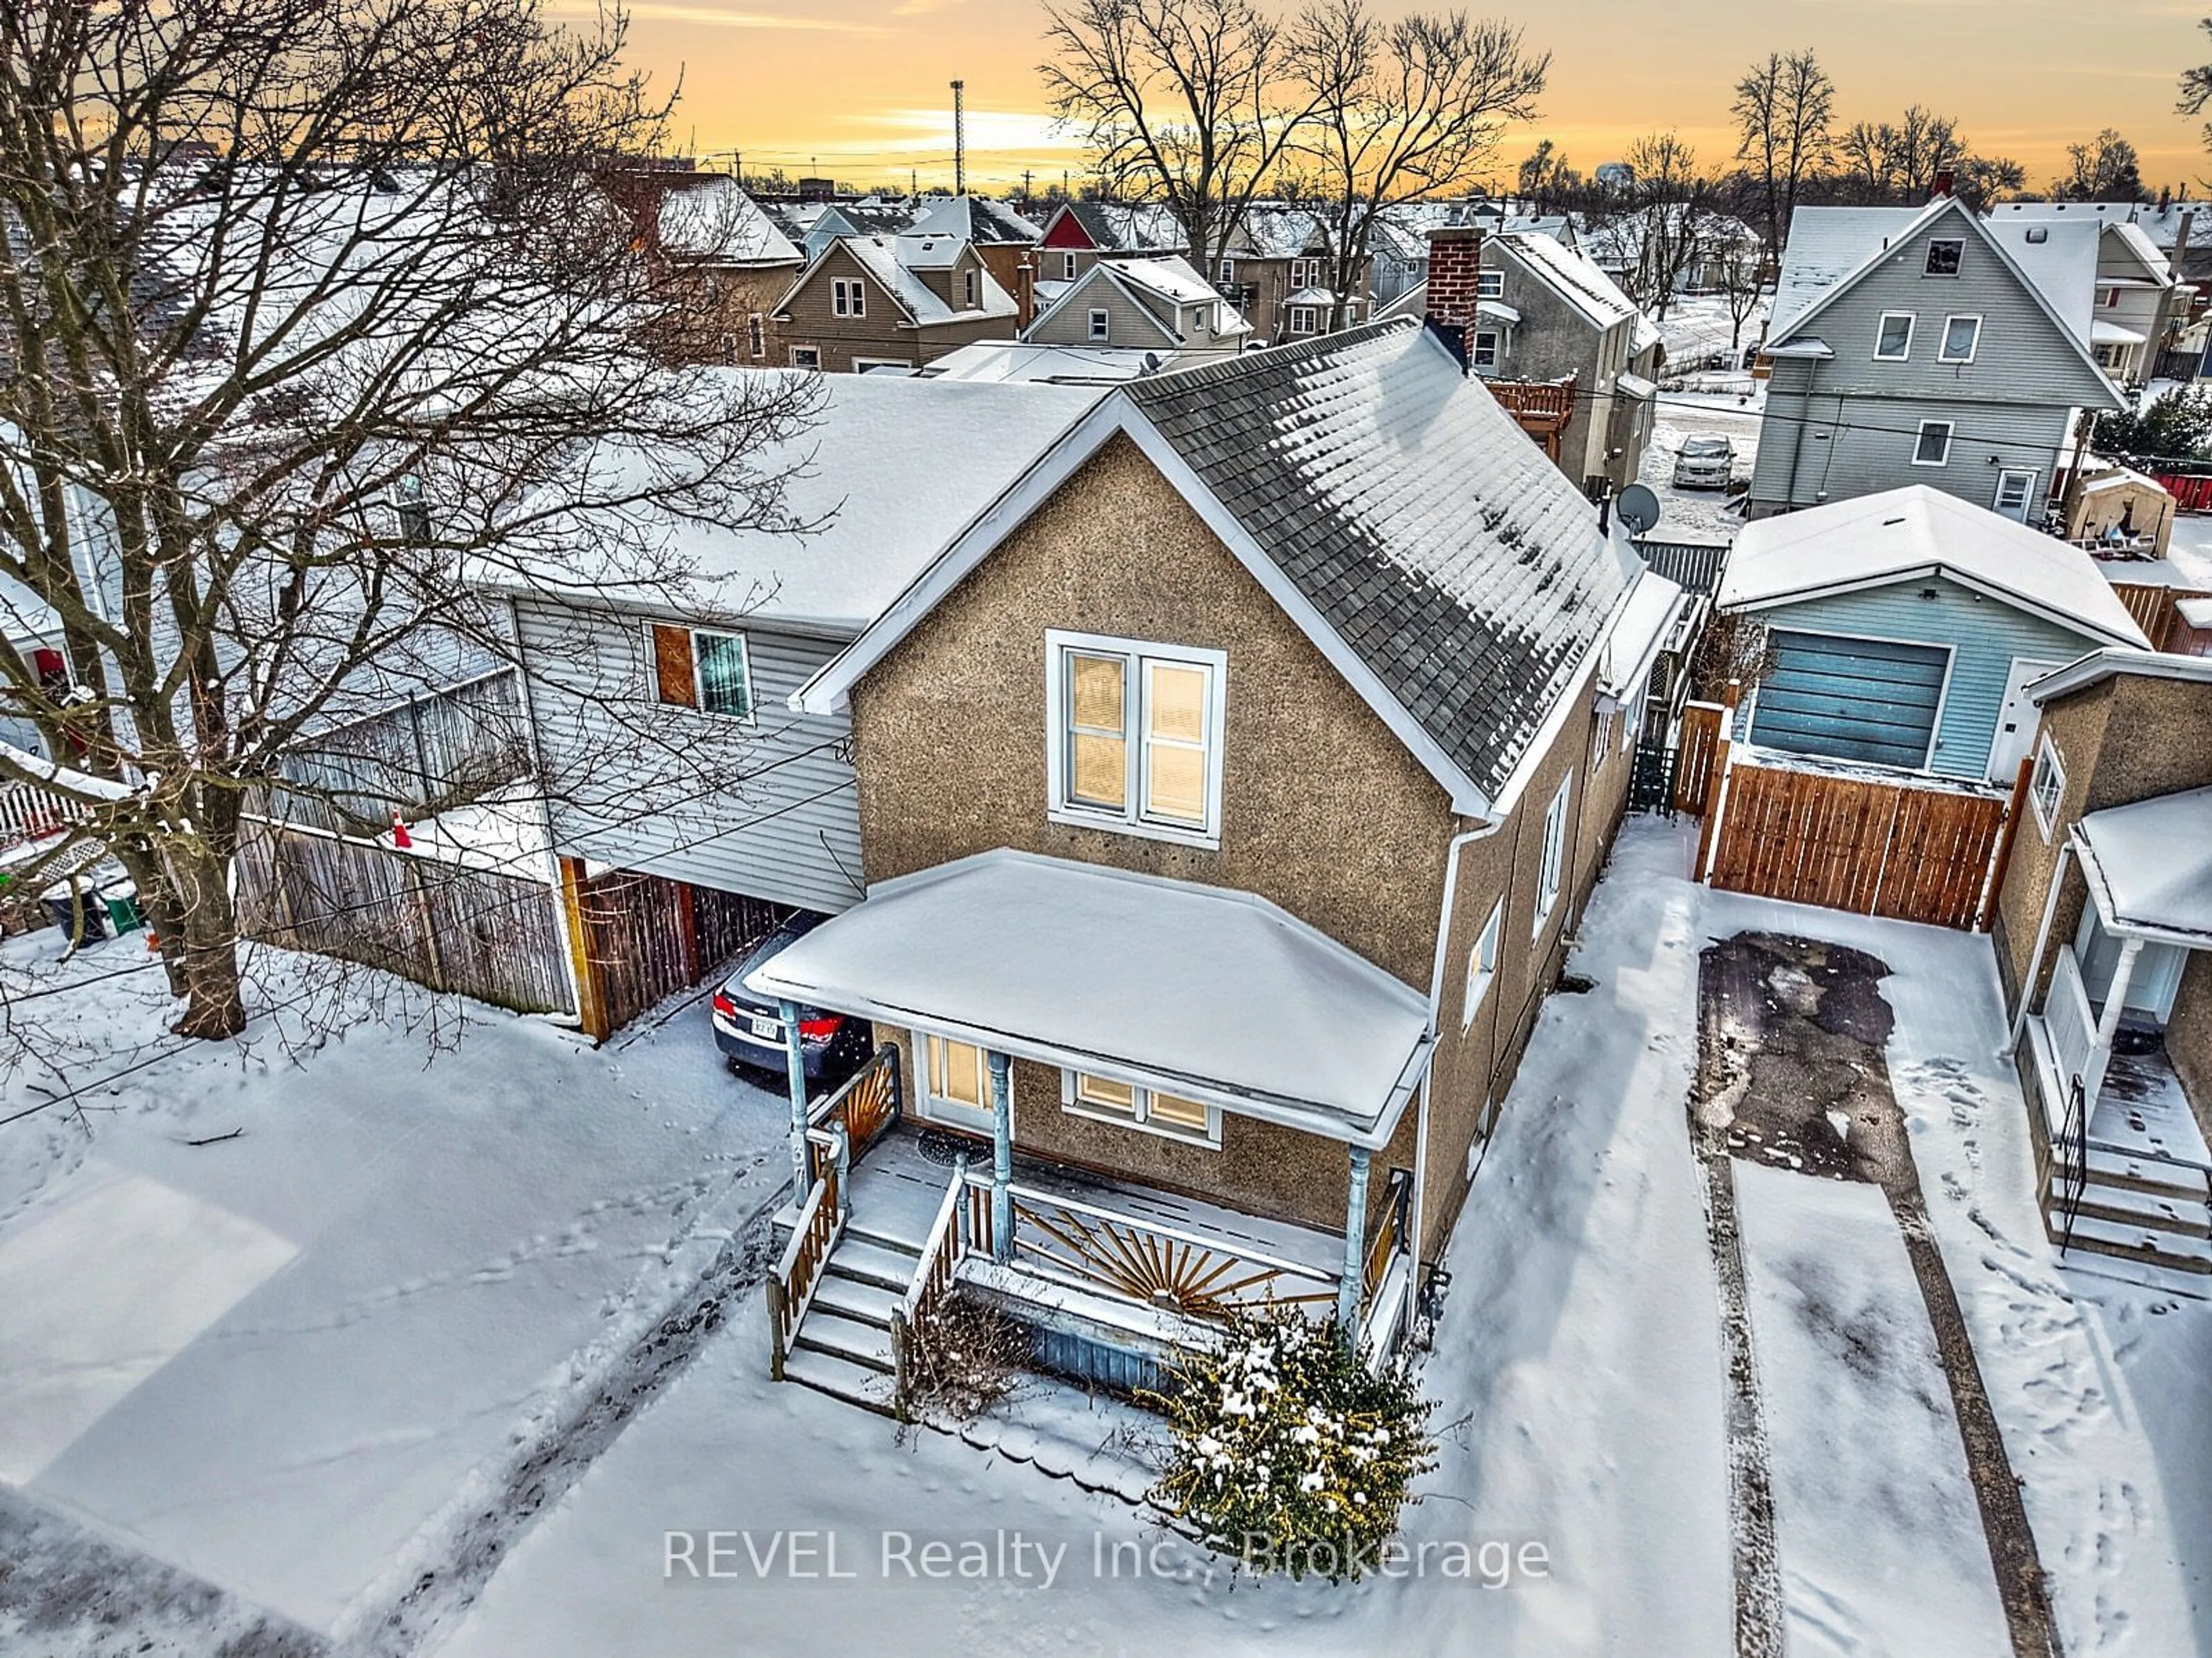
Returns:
(969, 290)
(1945, 255)
(1102, 326)
(1068, 267)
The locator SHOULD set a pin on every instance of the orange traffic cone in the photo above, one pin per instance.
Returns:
(400, 837)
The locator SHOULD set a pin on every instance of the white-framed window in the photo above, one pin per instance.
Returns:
(1134, 736)
(1301, 319)
(694, 668)
(956, 1074)
(1894, 340)
(756, 334)
(1602, 737)
(1152, 1109)
(1551, 872)
(807, 356)
(862, 365)
(1068, 267)
(2108, 356)
(1482, 964)
(410, 509)
(849, 297)
(1945, 255)
(1489, 284)
(2016, 493)
(1305, 273)
(1228, 271)
(1962, 337)
(2112, 299)
(2046, 785)
(1932, 446)
(1100, 325)
(1485, 353)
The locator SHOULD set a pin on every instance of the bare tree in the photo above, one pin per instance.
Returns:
(1545, 178)
(308, 306)
(1402, 110)
(1188, 102)
(1743, 279)
(1784, 108)
(2197, 87)
(1669, 230)
(2105, 168)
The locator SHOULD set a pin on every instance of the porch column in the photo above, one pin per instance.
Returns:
(794, 1061)
(2108, 1022)
(1002, 1157)
(1350, 1291)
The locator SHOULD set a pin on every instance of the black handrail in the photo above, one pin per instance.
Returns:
(2074, 1151)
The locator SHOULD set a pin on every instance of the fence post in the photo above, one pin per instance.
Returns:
(410, 882)
(1986, 912)
(1716, 784)
(591, 1007)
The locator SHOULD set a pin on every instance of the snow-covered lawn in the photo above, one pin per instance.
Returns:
(278, 1361)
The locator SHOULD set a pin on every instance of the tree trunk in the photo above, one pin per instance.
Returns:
(205, 949)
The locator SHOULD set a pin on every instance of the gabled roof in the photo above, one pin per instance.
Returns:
(709, 217)
(883, 474)
(1124, 228)
(1905, 534)
(1158, 289)
(1569, 274)
(2149, 863)
(918, 303)
(1832, 249)
(976, 219)
(1396, 513)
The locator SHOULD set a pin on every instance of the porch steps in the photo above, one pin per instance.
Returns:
(2131, 1171)
(843, 1344)
(2146, 1211)
(2152, 1245)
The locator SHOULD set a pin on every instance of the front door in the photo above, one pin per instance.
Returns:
(2016, 733)
(956, 1085)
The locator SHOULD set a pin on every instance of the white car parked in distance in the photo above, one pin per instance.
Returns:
(1704, 463)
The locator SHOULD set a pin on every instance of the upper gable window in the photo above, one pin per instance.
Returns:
(1894, 342)
(1944, 257)
(1102, 326)
(849, 297)
(1134, 737)
(1068, 267)
(1962, 337)
(969, 289)
(1489, 284)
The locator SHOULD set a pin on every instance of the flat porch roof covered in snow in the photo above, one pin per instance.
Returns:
(1209, 993)
(2149, 865)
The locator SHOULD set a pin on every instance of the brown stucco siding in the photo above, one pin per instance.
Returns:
(2189, 1037)
(2075, 727)
(1324, 810)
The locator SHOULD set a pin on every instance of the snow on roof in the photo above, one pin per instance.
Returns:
(1160, 286)
(2121, 477)
(885, 258)
(1635, 385)
(1278, 232)
(1315, 296)
(1202, 990)
(2160, 229)
(2150, 864)
(1010, 360)
(1872, 540)
(2100, 665)
(1572, 277)
(708, 216)
(2111, 333)
(892, 469)
(1128, 227)
(976, 219)
(2196, 612)
(1826, 245)
(1646, 621)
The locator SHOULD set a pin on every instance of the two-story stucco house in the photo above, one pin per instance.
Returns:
(1927, 346)
(1227, 791)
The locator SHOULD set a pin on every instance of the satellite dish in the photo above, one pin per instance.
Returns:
(1638, 508)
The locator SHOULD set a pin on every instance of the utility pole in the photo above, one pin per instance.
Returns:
(959, 138)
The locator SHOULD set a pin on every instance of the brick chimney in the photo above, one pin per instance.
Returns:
(1455, 266)
(1024, 293)
(1946, 184)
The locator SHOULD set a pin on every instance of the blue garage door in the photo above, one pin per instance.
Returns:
(1850, 699)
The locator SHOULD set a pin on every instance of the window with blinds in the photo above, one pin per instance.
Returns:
(1136, 737)
(1161, 1113)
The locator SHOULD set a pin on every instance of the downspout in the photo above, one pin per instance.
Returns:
(1452, 851)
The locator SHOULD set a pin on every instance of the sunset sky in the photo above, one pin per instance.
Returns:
(859, 87)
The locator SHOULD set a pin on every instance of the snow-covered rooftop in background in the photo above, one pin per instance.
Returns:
(1200, 990)
(1654, 603)
(713, 219)
(1873, 539)
(894, 261)
(974, 219)
(890, 468)
(1574, 277)
(1010, 360)
(2150, 864)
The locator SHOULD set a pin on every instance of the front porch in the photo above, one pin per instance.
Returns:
(901, 1202)
(2122, 1155)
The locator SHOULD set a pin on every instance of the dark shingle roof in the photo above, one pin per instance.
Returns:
(1438, 542)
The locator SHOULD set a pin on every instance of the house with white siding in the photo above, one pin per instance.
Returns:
(1904, 628)
(663, 724)
(1927, 346)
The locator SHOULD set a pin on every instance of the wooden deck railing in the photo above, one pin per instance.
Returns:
(866, 1108)
(791, 1285)
(29, 812)
(932, 1283)
(1161, 1267)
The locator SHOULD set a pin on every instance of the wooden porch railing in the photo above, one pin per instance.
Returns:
(1390, 1233)
(1144, 1261)
(791, 1285)
(869, 1104)
(932, 1283)
(29, 812)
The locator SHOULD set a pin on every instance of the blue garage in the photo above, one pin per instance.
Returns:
(1851, 698)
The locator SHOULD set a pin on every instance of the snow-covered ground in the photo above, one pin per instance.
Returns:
(285, 1359)
(304, 1362)
(2189, 548)
(1701, 514)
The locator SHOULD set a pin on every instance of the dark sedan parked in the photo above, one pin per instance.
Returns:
(748, 1030)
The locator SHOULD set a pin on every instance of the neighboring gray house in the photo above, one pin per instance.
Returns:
(1545, 315)
(1153, 305)
(2135, 282)
(1927, 346)
(664, 730)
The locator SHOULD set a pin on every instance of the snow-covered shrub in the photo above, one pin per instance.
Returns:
(962, 1357)
(1287, 1451)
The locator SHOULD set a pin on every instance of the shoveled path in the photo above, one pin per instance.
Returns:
(1791, 1039)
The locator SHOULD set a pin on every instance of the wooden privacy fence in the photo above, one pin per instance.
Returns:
(1696, 752)
(640, 937)
(475, 932)
(432, 751)
(2155, 608)
(1912, 851)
